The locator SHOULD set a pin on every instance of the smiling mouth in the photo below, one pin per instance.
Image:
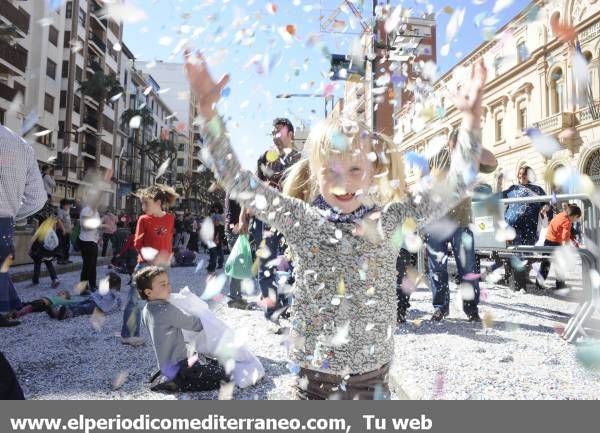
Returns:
(344, 197)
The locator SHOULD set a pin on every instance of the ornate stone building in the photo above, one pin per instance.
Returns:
(531, 83)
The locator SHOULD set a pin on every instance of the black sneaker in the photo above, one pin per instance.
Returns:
(240, 304)
(401, 317)
(5, 323)
(474, 317)
(438, 315)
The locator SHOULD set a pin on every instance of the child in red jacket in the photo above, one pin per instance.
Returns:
(559, 233)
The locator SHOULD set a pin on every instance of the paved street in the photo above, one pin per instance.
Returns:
(519, 356)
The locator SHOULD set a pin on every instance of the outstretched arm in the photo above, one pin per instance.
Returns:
(436, 200)
(266, 203)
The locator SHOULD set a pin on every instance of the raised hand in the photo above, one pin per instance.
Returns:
(470, 101)
(206, 91)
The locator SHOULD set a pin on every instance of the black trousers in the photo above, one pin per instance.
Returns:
(65, 245)
(9, 385)
(545, 266)
(204, 375)
(89, 254)
(106, 237)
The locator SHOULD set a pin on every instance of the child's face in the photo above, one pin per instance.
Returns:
(343, 178)
(64, 294)
(161, 289)
(150, 206)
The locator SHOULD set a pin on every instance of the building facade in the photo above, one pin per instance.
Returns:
(531, 84)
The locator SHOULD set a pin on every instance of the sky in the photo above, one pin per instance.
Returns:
(272, 48)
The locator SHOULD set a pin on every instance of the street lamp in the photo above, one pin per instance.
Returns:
(308, 95)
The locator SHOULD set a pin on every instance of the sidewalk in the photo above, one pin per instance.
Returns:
(25, 272)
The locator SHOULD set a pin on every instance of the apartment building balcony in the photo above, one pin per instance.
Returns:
(16, 15)
(555, 123)
(95, 9)
(89, 148)
(13, 57)
(7, 92)
(97, 43)
(93, 64)
(587, 114)
(91, 120)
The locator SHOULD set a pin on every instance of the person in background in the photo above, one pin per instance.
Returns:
(109, 221)
(460, 239)
(232, 230)
(49, 183)
(543, 221)
(215, 253)
(65, 227)
(179, 229)
(89, 235)
(559, 233)
(43, 249)
(22, 194)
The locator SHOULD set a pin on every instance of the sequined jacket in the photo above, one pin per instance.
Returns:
(344, 310)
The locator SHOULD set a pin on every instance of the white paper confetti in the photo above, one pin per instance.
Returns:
(135, 121)
(163, 168)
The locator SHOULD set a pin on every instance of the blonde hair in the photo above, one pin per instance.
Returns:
(345, 136)
(164, 193)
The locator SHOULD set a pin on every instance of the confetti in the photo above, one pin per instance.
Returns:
(501, 5)
(126, 13)
(454, 24)
(207, 231)
(271, 8)
(226, 391)
(291, 29)
(135, 121)
(563, 32)
(163, 168)
(214, 286)
(120, 379)
(42, 133)
(104, 286)
(544, 144)
(341, 335)
(148, 253)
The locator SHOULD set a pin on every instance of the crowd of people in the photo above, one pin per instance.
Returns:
(336, 222)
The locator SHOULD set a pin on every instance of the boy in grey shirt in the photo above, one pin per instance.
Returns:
(165, 323)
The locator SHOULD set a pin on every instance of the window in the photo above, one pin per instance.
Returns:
(46, 140)
(49, 103)
(2, 116)
(181, 147)
(19, 89)
(497, 65)
(69, 9)
(78, 74)
(82, 17)
(51, 69)
(522, 52)
(53, 35)
(67, 41)
(125, 80)
(498, 127)
(76, 104)
(65, 68)
(556, 90)
(180, 162)
(63, 99)
(521, 116)
(61, 127)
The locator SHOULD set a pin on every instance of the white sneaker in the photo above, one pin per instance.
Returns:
(133, 341)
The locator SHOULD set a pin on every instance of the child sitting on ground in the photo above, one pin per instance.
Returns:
(165, 324)
(105, 302)
(183, 257)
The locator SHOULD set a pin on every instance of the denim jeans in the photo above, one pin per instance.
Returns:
(9, 299)
(132, 316)
(462, 244)
(83, 308)
(37, 266)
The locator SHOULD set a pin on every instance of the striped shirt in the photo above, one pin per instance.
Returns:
(22, 190)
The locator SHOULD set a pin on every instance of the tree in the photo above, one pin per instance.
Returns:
(159, 150)
(100, 87)
(201, 184)
(146, 120)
